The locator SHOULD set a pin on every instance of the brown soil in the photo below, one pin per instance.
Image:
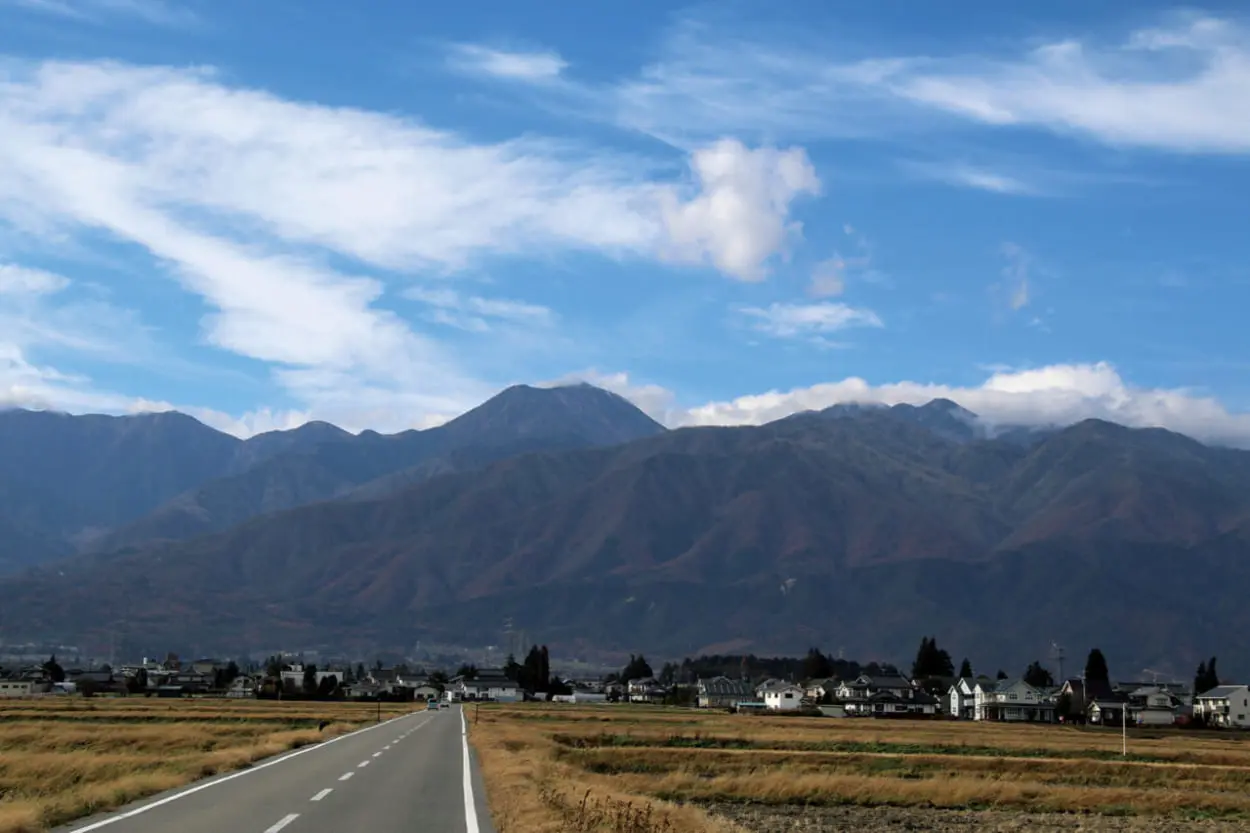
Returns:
(766, 819)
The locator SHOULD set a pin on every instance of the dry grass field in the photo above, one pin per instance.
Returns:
(639, 770)
(66, 757)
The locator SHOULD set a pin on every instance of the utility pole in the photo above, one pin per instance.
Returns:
(1124, 730)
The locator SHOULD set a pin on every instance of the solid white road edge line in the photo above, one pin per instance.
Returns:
(283, 822)
(470, 809)
(322, 794)
(240, 774)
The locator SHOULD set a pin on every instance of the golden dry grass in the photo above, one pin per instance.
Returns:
(684, 759)
(63, 758)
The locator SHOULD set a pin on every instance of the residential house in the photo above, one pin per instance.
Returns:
(817, 690)
(1225, 706)
(1108, 712)
(1013, 701)
(207, 667)
(487, 684)
(961, 698)
(1152, 706)
(723, 693)
(784, 698)
(244, 685)
(20, 688)
(1080, 693)
(647, 690)
(884, 696)
(426, 691)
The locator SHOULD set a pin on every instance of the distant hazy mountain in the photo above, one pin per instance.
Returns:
(865, 531)
(166, 476)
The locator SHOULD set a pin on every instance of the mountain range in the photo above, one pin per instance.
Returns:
(570, 514)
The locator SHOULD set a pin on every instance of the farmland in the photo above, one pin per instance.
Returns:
(638, 770)
(66, 757)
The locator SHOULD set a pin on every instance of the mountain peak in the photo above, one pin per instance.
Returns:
(578, 409)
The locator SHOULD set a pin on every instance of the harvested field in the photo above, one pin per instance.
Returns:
(548, 767)
(62, 758)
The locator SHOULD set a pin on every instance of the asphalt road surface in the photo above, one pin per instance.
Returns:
(413, 773)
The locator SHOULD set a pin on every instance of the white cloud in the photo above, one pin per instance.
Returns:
(20, 280)
(829, 278)
(1016, 276)
(790, 320)
(1182, 87)
(969, 176)
(1056, 395)
(655, 401)
(740, 216)
(475, 312)
(498, 63)
(157, 12)
(240, 196)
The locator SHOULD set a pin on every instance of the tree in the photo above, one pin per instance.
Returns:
(360, 672)
(544, 669)
(1002, 675)
(816, 666)
(1096, 668)
(1207, 678)
(310, 680)
(668, 674)
(468, 671)
(231, 672)
(965, 668)
(931, 661)
(138, 683)
(328, 687)
(273, 667)
(638, 669)
(1037, 676)
(54, 670)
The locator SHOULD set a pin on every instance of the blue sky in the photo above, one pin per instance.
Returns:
(380, 213)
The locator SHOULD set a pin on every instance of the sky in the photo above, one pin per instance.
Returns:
(379, 214)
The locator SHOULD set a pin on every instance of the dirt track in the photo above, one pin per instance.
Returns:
(880, 819)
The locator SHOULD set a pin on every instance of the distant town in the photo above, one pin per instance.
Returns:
(811, 685)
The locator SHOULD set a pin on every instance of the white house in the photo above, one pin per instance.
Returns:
(485, 685)
(1226, 706)
(783, 698)
(1152, 706)
(961, 699)
(16, 688)
(1012, 701)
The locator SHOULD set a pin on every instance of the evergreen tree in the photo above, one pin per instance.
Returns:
(932, 661)
(310, 680)
(1207, 678)
(816, 666)
(638, 669)
(360, 671)
(1096, 668)
(54, 670)
(1002, 675)
(544, 669)
(1037, 676)
(965, 668)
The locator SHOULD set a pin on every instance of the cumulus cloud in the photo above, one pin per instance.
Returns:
(740, 216)
(790, 320)
(499, 63)
(1056, 395)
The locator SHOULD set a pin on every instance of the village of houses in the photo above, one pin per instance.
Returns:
(1139, 703)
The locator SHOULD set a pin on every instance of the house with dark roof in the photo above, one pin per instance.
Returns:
(891, 695)
(723, 693)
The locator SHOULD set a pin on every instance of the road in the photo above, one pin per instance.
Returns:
(412, 773)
